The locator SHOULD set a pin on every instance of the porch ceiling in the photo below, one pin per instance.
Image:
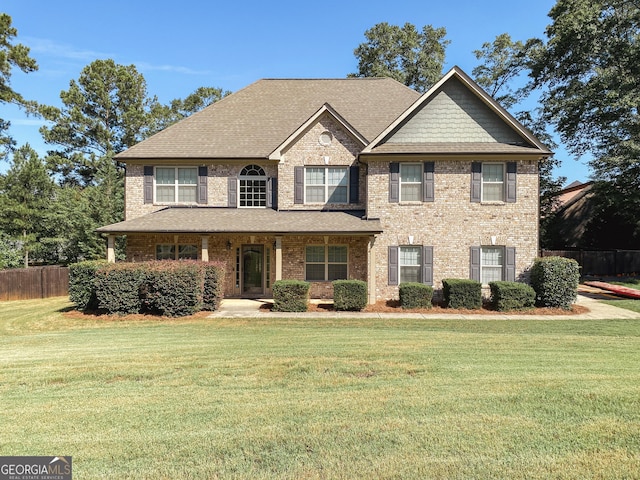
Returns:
(205, 220)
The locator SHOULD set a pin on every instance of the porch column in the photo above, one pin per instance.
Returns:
(204, 254)
(111, 250)
(278, 258)
(371, 270)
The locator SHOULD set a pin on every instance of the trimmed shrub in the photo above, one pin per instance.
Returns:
(174, 289)
(507, 296)
(118, 287)
(415, 295)
(555, 280)
(213, 285)
(462, 293)
(290, 296)
(82, 284)
(350, 295)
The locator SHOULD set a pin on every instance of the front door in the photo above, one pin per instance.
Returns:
(252, 270)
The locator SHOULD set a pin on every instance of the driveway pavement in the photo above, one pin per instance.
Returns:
(587, 297)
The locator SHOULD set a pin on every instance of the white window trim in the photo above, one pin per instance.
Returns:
(401, 183)
(175, 186)
(326, 184)
(503, 183)
(483, 266)
(326, 262)
(252, 177)
(400, 264)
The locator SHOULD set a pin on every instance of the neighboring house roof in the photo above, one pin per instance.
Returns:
(255, 121)
(574, 214)
(207, 220)
(456, 116)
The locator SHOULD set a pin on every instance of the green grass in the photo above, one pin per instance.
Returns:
(630, 283)
(321, 398)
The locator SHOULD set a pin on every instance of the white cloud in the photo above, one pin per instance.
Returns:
(43, 46)
(143, 66)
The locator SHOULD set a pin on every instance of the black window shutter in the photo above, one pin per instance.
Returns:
(393, 266)
(394, 182)
(428, 192)
(427, 265)
(476, 182)
(148, 184)
(202, 185)
(510, 266)
(512, 170)
(474, 266)
(232, 192)
(272, 193)
(298, 194)
(354, 183)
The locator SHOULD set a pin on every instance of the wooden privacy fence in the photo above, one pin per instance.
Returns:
(34, 282)
(602, 262)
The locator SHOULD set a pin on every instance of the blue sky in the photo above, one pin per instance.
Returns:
(180, 46)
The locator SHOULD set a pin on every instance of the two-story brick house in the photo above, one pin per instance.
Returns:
(329, 179)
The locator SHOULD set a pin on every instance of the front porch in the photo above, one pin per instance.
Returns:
(318, 247)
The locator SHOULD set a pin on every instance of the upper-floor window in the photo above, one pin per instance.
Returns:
(326, 184)
(253, 187)
(493, 182)
(176, 184)
(411, 182)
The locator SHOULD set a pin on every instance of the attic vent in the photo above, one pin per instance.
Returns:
(325, 139)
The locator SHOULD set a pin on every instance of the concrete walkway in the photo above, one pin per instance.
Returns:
(587, 297)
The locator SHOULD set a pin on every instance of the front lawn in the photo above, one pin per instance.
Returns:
(321, 398)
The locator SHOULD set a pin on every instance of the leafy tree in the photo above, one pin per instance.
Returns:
(162, 116)
(10, 252)
(412, 57)
(11, 56)
(589, 68)
(25, 194)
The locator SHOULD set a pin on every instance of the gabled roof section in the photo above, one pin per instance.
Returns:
(456, 116)
(255, 121)
(325, 109)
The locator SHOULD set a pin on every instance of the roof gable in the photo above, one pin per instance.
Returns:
(455, 115)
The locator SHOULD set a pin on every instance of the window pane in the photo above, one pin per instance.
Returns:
(253, 193)
(314, 176)
(410, 173)
(493, 192)
(315, 271)
(165, 252)
(165, 194)
(187, 176)
(410, 274)
(315, 254)
(187, 194)
(410, 255)
(165, 176)
(492, 256)
(338, 176)
(337, 271)
(338, 195)
(187, 252)
(492, 264)
(491, 274)
(492, 172)
(315, 195)
(338, 254)
(411, 193)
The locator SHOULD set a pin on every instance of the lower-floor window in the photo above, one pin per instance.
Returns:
(410, 262)
(325, 263)
(176, 252)
(491, 264)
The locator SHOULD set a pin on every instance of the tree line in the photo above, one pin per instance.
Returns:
(584, 78)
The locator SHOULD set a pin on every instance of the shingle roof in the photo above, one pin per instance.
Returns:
(254, 121)
(246, 220)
